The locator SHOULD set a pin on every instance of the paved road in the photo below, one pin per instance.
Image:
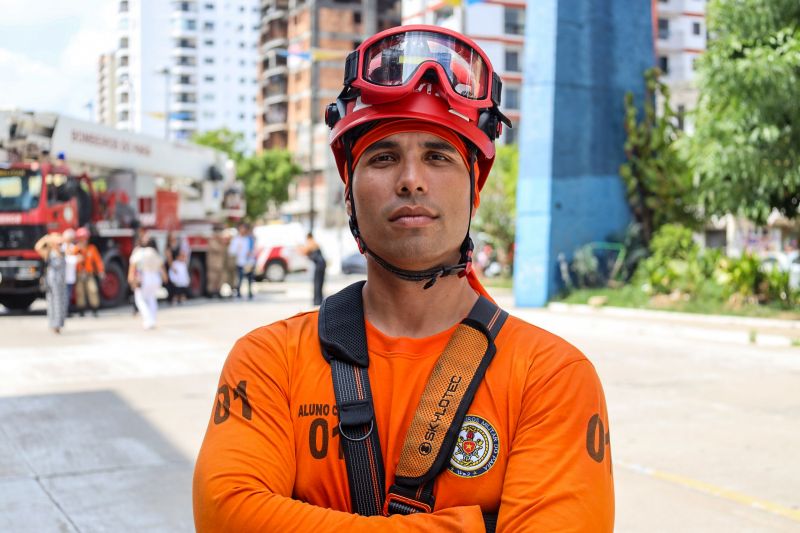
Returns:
(99, 427)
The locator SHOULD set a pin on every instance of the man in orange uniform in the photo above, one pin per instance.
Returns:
(413, 136)
(88, 270)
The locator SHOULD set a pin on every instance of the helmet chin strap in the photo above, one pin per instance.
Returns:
(464, 265)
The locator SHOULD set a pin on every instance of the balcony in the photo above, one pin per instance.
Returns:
(676, 8)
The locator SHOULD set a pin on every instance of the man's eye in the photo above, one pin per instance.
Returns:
(382, 158)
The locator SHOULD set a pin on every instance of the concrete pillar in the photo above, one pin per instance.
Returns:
(580, 58)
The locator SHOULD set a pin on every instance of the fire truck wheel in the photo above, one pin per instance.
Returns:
(197, 277)
(18, 302)
(114, 286)
(275, 270)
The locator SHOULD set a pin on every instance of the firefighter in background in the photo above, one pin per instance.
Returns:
(89, 271)
(215, 262)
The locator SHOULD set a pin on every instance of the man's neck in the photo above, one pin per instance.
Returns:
(402, 308)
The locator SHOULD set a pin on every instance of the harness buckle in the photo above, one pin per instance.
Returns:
(396, 504)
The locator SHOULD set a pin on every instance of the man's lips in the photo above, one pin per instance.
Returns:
(412, 216)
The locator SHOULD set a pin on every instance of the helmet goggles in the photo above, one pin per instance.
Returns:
(392, 64)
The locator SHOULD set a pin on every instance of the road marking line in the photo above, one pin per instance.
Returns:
(738, 497)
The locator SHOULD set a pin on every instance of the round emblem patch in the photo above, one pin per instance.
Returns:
(476, 448)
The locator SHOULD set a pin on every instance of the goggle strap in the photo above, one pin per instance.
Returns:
(351, 68)
(497, 89)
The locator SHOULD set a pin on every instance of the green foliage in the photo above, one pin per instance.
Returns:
(497, 214)
(266, 176)
(673, 264)
(746, 145)
(224, 140)
(658, 181)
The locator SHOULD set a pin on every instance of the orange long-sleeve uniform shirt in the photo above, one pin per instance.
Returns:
(92, 263)
(538, 450)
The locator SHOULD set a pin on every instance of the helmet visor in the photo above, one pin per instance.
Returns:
(394, 60)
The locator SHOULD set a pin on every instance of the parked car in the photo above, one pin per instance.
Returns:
(354, 264)
(279, 251)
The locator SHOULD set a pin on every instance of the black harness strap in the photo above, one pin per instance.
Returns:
(343, 340)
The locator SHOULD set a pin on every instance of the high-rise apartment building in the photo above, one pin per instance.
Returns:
(303, 45)
(680, 38)
(106, 94)
(186, 66)
(498, 28)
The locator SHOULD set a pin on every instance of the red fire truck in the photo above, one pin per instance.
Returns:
(58, 172)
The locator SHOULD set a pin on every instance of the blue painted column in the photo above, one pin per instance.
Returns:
(581, 56)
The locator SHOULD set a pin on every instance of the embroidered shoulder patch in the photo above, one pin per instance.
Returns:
(476, 448)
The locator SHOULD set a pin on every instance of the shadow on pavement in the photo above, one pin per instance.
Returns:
(88, 461)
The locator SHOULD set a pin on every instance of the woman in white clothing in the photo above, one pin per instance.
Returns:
(146, 274)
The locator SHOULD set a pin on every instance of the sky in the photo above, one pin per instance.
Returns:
(49, 51)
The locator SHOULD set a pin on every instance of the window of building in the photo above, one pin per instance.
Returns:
(184, 6)
(663, 64)
(695, 59)
(681, 116)
(697, 28)
(123, 116)
(209, 79)
(512, 61)
(208, 115)
(208, 60)
(241, 9)
(357, 17)
(241, 116)
(208, 26)
(123, 6)
(209, 42)
(123, 42)
(209, 6)
(123, 61)
(241, 98)
(241, 44)
(510, 135)
(511, 98)
(663, 29)
(208, 97)
(514, 20)
(184, 80)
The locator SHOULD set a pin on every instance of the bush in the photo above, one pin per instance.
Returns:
(673, 263)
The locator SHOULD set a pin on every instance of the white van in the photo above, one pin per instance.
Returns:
(279, 250)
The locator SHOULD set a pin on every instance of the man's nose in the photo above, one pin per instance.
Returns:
(412, 179)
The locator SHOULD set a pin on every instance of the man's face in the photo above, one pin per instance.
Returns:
(412, 200)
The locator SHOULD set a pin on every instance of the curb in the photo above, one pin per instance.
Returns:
(700, 326)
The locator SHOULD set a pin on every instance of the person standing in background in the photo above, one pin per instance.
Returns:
(312, 251)
(179, 276)
(89, 270)
(49, 248)
(242, 247)
(71, 258)
(215, 262)
(146, 273)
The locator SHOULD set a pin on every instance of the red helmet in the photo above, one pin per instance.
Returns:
(419, 72)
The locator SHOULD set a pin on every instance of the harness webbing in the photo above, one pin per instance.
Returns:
(448, 394)
(343, 339)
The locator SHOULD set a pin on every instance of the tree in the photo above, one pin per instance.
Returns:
(224, 140)
(266, 176)
(656, 176)
(498, 210)
(746, 147)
